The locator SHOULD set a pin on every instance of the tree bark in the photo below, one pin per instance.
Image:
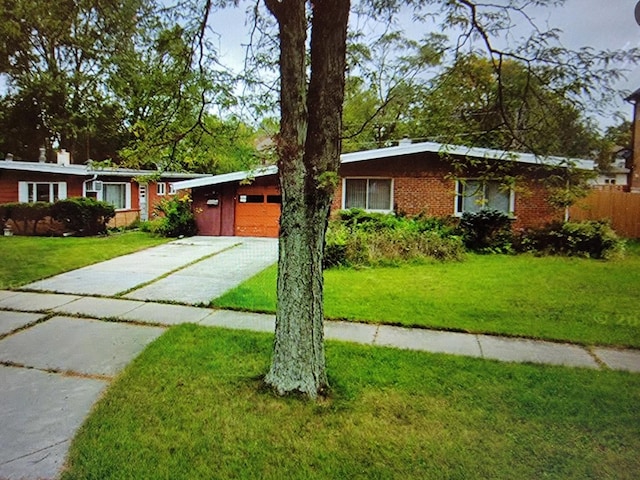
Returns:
(309, 153)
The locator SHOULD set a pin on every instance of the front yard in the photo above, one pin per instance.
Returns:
(26, 259)
(556, 298)
(191, 407)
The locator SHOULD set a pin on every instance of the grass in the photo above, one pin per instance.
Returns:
(556, 298)
(26, 259)
(191, 407)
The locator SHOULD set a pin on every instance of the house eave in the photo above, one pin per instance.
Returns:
(85, 171)
(226, 178)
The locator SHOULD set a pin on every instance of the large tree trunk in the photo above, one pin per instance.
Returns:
(309, 152)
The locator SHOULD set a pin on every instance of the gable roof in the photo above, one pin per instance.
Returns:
(402, 150)
(87, 170)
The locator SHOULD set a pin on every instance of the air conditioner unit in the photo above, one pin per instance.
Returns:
(95, 186)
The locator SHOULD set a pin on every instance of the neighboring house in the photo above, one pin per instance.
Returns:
(409, 178)
(47, 182)
(616, 176)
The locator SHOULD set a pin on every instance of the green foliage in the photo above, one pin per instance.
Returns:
(83, 216)
(591, 239)
(486, 231)
(34, 258)
(25, 217)
(190, 408)
(175, 218)
(358, 238)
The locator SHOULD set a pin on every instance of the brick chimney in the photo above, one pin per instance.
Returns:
(634, 176)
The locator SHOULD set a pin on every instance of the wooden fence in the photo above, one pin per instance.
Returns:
(622, 209)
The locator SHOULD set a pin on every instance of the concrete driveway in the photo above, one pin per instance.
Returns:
(191, 270)
(57, 355)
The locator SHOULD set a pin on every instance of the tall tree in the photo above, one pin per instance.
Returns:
(309, 148)
(309, 151)
(54, 55)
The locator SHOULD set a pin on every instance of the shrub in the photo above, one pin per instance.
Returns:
(358, 238)
(25, 216)
(486, 231)
(83, 216)
(592, 239)
(176, 218)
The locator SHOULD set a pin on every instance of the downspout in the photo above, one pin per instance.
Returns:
(84, 184)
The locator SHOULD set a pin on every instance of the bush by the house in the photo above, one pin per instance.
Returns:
(358, 238)
(83, 216)
(175, 218)
(592, 239)
(24, 217)
(486, 231)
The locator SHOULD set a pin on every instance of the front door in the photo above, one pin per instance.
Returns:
(144, 213)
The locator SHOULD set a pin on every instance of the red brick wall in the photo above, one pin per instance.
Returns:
(422, 184)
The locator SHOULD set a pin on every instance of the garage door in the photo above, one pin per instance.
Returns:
(258, 211)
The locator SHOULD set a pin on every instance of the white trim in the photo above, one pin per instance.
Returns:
(458, 213)
(226, 178)
(402, 150)
(391, 192)
(24, 188)
(127, 194)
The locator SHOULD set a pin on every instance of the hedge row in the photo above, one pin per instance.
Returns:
(357, 238)
(78, 216)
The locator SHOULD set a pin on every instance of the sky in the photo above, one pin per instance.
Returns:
(600, 24)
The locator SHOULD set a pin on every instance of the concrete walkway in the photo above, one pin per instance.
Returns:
(191, 270)
(59, 351)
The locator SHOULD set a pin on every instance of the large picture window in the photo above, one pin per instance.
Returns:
(368, 194)
(475, 195)
(117, 194)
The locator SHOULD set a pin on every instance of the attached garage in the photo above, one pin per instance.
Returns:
(226, 205)
(258, 211)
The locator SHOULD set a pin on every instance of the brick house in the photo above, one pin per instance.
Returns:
(41, 181)
(408, 178)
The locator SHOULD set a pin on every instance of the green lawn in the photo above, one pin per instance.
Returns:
(26, 259)
(569, 299)
(191, 407)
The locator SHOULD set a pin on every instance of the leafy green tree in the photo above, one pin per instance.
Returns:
(54, 55)
(312, 88)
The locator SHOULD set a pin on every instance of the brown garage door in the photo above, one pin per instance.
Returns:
(258, 211)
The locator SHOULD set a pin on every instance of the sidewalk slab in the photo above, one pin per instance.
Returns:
(619, 359)
(6, 294)
(99, 307)
(521, 350)
(10, 321)
(256, 322)
(92, 281)
(35, 302)
(350, 332)
(165, 314)
(90, 347)
(210, 278)
(428, 340)
(40, 414)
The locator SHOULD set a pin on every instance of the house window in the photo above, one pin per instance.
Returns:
(162, 188)
(172, 189)
(368, 194)
(29, 192)
(117, 194)
(475, 195)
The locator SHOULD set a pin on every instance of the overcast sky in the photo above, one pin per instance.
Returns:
(601, 24)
